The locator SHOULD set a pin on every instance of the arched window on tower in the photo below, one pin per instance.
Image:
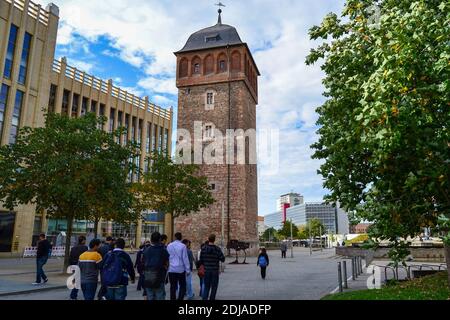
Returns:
(196, 66)
(183, 68)
(236, 61)
(222, 63)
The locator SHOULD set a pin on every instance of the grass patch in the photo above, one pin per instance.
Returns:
(434, 287)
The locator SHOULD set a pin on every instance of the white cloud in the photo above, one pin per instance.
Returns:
(159, 85)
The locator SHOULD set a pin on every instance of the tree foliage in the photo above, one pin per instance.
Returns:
(270, 235)
(384, 129)
(69, 168)
(315, 228)
(173, 188)
(286, 230)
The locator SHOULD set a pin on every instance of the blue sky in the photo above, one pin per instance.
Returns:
(132, 42)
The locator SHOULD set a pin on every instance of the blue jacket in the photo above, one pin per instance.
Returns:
(156, 257)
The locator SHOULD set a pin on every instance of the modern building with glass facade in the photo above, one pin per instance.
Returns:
(334, 219)
(32, 83)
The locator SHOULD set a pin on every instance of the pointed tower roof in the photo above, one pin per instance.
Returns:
(219, 35)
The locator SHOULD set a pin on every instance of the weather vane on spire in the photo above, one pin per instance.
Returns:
(220, 4)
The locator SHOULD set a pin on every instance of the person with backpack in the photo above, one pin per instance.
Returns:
(156, 262)
(179, 267)
(90, 264)
(74, 257)
(107, 246)
(117, 269)
(139, 264)
(263, 262)
(42, 255)
(210, 257)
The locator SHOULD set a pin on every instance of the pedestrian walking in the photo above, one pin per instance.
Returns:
(189, 290)
(74, 257)
(210, 257)
(90, 264)
(156, 262)
(201, 269)
(179, 267)
(284, 249)
(117, 270)
(139, 264)
(263, 262)
(42, 255)
(105, 248)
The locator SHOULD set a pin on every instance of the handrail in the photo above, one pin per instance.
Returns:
(34, 10)
(116, 92)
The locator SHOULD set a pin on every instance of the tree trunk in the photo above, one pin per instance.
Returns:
(172, 231)
(96, 228)
(447, 258)
(68, 243)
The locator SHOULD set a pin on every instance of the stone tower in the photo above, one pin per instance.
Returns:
(217, 79)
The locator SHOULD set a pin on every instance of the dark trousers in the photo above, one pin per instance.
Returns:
(283, 254)
(89, 290)
(40, 275)
(116, 293)
(102, 292)
(177, 280)
(74, 294)
(211, 282)
(263, 272)
(140, 283)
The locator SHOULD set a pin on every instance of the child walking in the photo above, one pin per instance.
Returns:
(263, 262)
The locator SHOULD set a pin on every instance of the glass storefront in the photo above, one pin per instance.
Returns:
(7, 221)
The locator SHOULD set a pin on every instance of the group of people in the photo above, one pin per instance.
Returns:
(157, 265)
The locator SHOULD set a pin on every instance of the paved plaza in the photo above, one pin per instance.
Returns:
(303, 278)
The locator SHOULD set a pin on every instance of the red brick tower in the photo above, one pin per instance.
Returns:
(217, 79)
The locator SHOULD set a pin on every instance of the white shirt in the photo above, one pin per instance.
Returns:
(178, 259)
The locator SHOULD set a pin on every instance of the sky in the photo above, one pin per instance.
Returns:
(132, 42)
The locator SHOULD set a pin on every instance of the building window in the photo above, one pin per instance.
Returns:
(197, 68)
(133, 129)
(24, 58)
(148, 140)
(166, 141)
(127, 127)
(84, 106)
(15, 121)
(101, 114)
(209, 131)
(3, 100)
(155, 132)
(112, 120)
(75, 104)
(10, 52)
(210, 98)
(161, 139)
(65, 102)
(140, 129)
(94, 107)
(222, 65)
(212, 186)
(119, 125)
(52, 98)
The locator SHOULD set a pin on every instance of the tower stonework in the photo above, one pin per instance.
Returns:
(217, 79)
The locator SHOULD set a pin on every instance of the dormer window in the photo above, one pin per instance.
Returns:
(211, 38)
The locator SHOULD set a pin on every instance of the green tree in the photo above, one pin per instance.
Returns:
(384, 129)
(174, 189)
(302, 232)
(315, 228)
(70, 169)
(286, 230)
(270, 235)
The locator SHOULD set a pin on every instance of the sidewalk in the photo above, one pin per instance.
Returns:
(17, 276)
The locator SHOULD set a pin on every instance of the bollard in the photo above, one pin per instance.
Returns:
(353, 269)
(358, 261)
(345, 275)
(340, 277)
(360, 265)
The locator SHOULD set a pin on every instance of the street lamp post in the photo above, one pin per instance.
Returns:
(310, 240)
(292, 241)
